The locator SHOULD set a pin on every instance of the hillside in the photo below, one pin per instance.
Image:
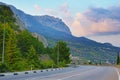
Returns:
(20, 46)
(80, 46)
(23, 50)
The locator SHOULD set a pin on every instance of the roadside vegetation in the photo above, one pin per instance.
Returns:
(23, 51)
(118, 58)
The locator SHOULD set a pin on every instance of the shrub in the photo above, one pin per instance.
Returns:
(4, 68)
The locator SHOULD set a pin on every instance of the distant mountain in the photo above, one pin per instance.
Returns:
(1, 3)
(48, 26)
(42, 21)
(54, 23)
(54, 29)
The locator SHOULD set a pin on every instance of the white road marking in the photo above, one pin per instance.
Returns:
(75, 75)
(69, 77)
(118, 74)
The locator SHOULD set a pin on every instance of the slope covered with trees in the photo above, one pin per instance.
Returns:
(22, 50)
(81, 47)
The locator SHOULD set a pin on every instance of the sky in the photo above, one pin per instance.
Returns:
(98, 20)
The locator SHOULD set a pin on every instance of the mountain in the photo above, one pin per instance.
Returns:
(22, 48)
(54, 29)
(43, 21)
(54, 23)
(48, 26)
(41, 39)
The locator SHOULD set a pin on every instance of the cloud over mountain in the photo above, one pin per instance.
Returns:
(37, 7)
(94, 21)
(97, 21)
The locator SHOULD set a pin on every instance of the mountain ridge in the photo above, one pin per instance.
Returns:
(57, 23)
(80, 46)
(46, 21)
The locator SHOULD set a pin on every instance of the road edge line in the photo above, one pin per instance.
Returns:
(118, 74)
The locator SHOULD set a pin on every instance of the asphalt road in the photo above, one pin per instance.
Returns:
(78, 73)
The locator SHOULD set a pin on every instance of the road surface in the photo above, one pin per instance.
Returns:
(78, 73)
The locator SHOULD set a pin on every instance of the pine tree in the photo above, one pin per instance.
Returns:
(118, 58)
(33, 59)
(12, 53)
(61, 52)
(1, 40)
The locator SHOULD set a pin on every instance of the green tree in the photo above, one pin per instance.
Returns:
(25, 40)
(61, 53)
(22, 50)
(3, 67)
(47, 63)
(33, 59)
(1, 39)
(118, 58)
(12, 53)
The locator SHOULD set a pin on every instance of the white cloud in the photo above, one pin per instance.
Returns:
(78, 26)
(62, 12)
(51, 12)
(119, 3)
(37, 7)
(114, 39)
(95, 21)
(65, 13)
(64, 9)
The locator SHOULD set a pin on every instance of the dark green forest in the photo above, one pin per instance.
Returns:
(23, 51)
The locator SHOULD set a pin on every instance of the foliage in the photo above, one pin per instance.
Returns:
(12, 53)
(25, 39)
(22, 50)
(47, 64)
(5, 14)
(118, 58)
(33, 58)
(61, 53)
(4, 68)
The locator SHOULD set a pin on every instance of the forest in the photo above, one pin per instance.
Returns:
(22, 51)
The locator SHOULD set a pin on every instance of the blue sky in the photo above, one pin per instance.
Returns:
(74, 5)
(95, 19)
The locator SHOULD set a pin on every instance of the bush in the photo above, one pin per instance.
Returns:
(4, 68)
(62, 64)
(47, 64)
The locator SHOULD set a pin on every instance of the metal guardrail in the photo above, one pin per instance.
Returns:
(29, 72)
